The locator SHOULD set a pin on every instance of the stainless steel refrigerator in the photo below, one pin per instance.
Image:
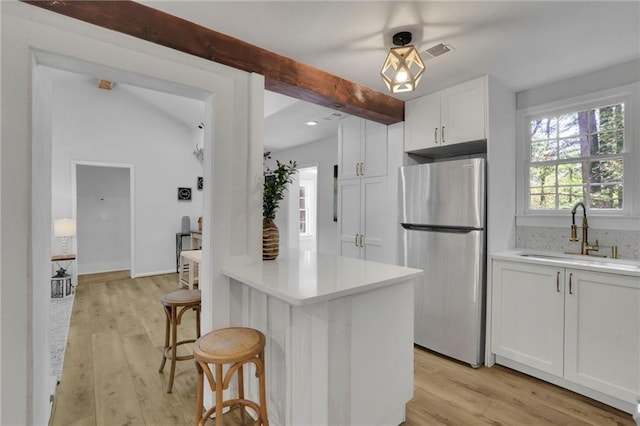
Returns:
(442, 213)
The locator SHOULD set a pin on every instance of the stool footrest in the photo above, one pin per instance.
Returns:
(168, 350)
(233, 403)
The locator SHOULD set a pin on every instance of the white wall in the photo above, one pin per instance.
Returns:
(103, 219)
(551, 232)
(232, 167)
(618, 75)
(324, 154)
(115, 126)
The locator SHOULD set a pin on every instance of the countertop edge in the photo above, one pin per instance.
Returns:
(575, 263)
(409, 275)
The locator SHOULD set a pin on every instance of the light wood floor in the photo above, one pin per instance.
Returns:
(110, 374)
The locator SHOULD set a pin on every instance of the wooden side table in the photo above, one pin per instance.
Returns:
(196, 240)
(193, 257)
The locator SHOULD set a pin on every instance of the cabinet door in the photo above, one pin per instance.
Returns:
(528, 314)
(374, 218)
(422, 123)
(463, 112)
(349, 147)
(349, 217)
(374, 154)
(602, 329)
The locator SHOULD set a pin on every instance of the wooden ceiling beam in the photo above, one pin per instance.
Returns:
(282, 75)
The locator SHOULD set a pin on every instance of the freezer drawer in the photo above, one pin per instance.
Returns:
(449, 298)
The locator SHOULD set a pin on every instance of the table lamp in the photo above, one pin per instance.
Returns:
(64, 228)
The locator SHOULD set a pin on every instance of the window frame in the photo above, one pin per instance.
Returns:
(309, 208)
(625, 218)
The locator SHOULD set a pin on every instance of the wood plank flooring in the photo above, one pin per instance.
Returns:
(110, 374)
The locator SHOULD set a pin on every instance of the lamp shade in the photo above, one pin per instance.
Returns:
(403, 69)
(64, 227)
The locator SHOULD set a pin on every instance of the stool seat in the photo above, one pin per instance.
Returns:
(229, 345)
(175, 305)
(181, 298)
(235, 347)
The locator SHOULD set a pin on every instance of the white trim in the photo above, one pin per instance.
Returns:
(625, 219)
(45, 38)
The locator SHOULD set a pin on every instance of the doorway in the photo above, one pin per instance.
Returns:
(307, 208)
(103, 204)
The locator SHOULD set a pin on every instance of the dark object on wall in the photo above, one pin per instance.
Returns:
(200, 183)
(335, 192)
(184, 194)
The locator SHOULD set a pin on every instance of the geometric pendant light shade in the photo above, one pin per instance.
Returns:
(403, 68)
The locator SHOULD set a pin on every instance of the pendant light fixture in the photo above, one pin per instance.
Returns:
(403, 68)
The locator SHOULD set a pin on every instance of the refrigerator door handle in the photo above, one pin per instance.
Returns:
(449, 229)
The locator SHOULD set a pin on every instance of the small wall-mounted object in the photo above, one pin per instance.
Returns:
(200, 183)
(184, 194)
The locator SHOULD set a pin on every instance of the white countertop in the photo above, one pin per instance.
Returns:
(302, 277)
(590, 263)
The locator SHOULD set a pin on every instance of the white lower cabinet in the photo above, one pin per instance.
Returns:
(362, 218)
(602, 332)
(580, 326)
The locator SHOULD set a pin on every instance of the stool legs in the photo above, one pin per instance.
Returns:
(263, 388)
(218, 386)
(199, 394)
(171, 339)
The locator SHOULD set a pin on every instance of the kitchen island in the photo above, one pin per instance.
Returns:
(339, 336)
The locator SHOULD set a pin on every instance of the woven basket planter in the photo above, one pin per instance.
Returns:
(270, 239)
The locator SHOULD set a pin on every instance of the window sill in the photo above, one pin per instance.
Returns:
(625, 223)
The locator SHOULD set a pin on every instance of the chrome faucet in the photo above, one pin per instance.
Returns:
(585, 247)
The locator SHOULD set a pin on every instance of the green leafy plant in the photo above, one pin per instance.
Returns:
(275, 184)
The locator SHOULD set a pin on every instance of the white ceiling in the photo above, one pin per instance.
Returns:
(523, 44)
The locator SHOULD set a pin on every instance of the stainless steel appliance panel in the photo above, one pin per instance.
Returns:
(449, 300)
(447, 193)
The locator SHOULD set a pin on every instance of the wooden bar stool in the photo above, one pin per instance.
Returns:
(175, 305)
(234, 346)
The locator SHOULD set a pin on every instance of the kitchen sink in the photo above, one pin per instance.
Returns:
(546, 256)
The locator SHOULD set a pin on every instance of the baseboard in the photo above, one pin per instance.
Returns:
(150, 274)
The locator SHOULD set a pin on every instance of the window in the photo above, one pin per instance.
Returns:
(577, 155)
(304, 210)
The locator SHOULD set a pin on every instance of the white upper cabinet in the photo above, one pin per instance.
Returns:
(422, 123)
(362, 148)
(451, 116)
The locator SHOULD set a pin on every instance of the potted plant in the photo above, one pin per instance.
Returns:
(275, 184)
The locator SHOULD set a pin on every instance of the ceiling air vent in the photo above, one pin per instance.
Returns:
(439, 49)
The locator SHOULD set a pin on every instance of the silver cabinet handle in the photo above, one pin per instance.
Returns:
(570, 283)
(442, 131)
(357, 169)
(361, 169)
(435, 135)
(361, 240)
(356, 240)
(558, 282)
